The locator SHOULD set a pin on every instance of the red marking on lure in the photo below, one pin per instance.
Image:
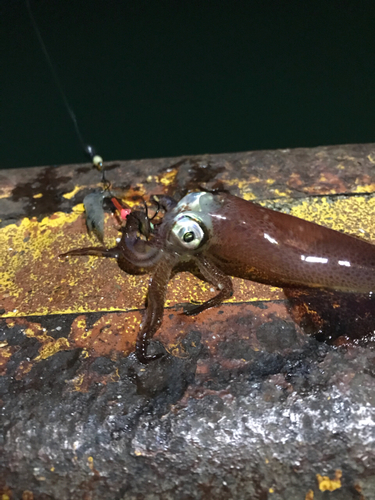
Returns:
(124, 212)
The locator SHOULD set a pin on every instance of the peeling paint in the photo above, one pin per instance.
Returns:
(71, 194)
(168, 178)
(327, 484)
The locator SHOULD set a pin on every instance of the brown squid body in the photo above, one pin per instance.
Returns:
(260, 244)
(223, 236)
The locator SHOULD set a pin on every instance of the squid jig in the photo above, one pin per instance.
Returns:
(93, 202)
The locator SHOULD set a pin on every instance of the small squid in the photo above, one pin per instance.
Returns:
(221, 235)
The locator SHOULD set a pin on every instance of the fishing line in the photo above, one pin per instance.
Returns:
(87, 148)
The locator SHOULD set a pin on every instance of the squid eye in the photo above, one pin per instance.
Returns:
(189, 237)
(189, 232)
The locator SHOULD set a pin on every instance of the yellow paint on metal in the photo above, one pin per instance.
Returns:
(5, 353)
(249, 196)
(24, 243)
(5, 192)
(79, 209)
(168, 177)
(366, 188)
(114, 377)
(245, 187)
(353, 215)
(71, 194)
(77, 383)
(280, 193)
(49, 345)
(52, 347)
(327, 484)
(6, 350)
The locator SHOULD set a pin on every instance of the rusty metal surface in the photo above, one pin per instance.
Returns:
(248, 407)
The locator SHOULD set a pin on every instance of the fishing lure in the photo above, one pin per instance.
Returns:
(93, 202)
(221, 236)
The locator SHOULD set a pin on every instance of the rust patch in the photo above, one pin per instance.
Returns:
(112, 333)
(42, 195)
(231, 334)
(334, 317)
(327, 183)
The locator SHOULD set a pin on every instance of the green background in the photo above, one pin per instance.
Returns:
(165, 78)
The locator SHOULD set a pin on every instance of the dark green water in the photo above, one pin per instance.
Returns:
(150, 78)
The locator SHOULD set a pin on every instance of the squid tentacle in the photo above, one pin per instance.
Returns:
(155, 307)
(217, 278)
(96, 251)
(139, 253)
(134, 250)
(166, 202)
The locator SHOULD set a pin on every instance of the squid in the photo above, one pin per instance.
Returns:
(220, 236)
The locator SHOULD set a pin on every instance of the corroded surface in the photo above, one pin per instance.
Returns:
(246, 405)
